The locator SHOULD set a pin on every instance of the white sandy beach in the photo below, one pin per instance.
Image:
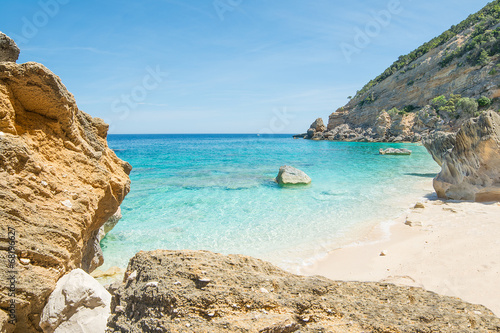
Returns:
(455, 252)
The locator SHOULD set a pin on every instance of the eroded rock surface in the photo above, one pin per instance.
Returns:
(439, 144)
(471, 169)
(199, 291)
(9, 51)
(59, 183)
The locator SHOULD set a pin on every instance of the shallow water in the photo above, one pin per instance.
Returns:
(216, 192)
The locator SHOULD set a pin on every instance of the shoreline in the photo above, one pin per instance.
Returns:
(447, 250)
(452, 249)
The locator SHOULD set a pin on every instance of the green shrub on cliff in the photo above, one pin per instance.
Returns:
(446, 106)
(467, 105)
(438, 102)
(483, 39)
(484, 101)
(393, 112)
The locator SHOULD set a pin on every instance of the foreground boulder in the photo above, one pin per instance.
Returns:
(59, 183)
(471, 169)
(291, 176)
(79, 304)
(9, 51)
(200, 291)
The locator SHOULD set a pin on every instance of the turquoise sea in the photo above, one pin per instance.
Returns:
(217, 193)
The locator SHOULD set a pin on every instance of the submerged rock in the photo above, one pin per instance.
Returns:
(250, 295)
(9, 52)
(394, 151)
(78, 304)
(289, 175)
(471, 169)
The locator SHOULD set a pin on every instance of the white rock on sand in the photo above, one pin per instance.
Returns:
(78, 304)
(455, 253)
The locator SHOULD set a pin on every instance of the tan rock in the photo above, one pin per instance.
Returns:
(471, 170)
(318, 125)
(235, 300)
(383, 124)
(53, 227)
(419, 205)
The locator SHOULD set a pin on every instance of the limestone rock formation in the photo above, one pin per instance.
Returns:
(59, 183)
(398, 104)
(471, 169)
(316, 127)
(9, 52)
(199, 291)
(79, 304)
(289, 175)
(439, 144)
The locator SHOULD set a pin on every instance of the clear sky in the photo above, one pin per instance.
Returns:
(220, 66)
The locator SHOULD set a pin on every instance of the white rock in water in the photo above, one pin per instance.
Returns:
(394, 151)
(78, 304)
(291, 176)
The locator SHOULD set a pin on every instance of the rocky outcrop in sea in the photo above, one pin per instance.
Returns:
(59, 183)
(438, 86)
(200, 291)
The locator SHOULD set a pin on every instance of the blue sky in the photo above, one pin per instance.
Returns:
(221, 66)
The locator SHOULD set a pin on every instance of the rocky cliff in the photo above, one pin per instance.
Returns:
(470, 160)
(199, 291)
(59, 183)
(436, 87)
